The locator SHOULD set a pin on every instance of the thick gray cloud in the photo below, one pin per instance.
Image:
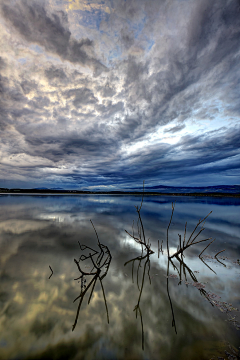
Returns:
(121, 92)
(33, 23)
(175, 128)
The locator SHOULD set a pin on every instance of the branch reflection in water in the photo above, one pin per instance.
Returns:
(99, 271)
(146, 247)
(169, 297)
(100, 262)
(183, 271)
(139, 259)
(212, 298)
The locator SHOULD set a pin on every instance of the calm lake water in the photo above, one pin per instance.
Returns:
(185, 310)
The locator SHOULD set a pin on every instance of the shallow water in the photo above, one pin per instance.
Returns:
(188, 314)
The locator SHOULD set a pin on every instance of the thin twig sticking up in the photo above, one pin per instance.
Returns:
(51, 271)
(173, 206)
(141, 239)
(219, 253)
(190, 241)
(206, 248)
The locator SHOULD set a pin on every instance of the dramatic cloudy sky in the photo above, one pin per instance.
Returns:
(110, 93)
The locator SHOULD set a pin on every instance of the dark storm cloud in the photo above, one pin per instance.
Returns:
(88, 144)
(3, 84)
(174, 65)
(200, 155)
(170, 91)
(2, 63)
(107, 91)
(28, 86)
(110, 109)
(55, 73)
(11, 102)
(135, 71)
(175, 128)
(33, 23)
(82, 96)
(229, 143)
(40, 102)
(127, 38)
(91, 145)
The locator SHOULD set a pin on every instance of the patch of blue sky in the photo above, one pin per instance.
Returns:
(147, 43)
(115, 53)
(92, 19)
(233, 120)
(22, 60)
(150, 44)
(137, 28)
(40, 50)
(208, 126)
(36, 48)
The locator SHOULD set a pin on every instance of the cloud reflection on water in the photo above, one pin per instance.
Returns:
(39, 311)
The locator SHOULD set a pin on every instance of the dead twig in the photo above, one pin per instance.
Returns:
(185, 234)
(191, 241)
(51, 271)
(140, 286)
(207, 265)
(219, 253)
(170, 300)
(173, 206)
(185, 247)
(199, 222)
(141, 239)
(206, 248)
(99, 271)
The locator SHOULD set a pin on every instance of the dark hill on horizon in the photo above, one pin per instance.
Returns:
(233, 189)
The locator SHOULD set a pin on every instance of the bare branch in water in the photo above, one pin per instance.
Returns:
(101, 268)
(206, 248)
(170, 300)
(141, 239)
(185, 234)
(104, 299)
(185, 247)
(140, 288)
(207, 265)
(190, 242)
(219, 253)
(199, 222)
(51, 271)
(173, 206)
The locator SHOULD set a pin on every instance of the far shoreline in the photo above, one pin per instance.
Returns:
(113, 193)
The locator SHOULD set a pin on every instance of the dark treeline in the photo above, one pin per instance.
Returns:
(116, 192)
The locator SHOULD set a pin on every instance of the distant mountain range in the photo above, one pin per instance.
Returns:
(232, 189)
(44, 188)
(229, 189)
